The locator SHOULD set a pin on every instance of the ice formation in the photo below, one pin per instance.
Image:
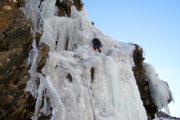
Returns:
(160, 91)
(65, 88)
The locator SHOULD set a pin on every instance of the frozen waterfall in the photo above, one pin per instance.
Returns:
(66, 89)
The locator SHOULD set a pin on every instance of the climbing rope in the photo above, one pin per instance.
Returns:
(88, 91)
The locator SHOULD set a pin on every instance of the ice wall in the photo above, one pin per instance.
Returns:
(66, 90)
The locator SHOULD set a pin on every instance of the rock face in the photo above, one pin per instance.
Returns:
(43, 55)
(142, 83)
(65, 6)
(15, 43)
(161, 115)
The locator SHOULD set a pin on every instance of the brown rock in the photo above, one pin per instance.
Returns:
(37, 37)
(164, 115)
(65, 6)
(23, 111)
(15, 43)
(142, 83)
(43, 55)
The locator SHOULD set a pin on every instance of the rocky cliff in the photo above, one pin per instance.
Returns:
(15, 43)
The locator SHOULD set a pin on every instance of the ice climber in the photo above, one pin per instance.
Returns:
(97, 44)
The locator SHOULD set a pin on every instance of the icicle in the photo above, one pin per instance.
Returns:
(159, 89)
(32, 83)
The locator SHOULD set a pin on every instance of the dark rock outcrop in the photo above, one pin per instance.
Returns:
(65, 6)
(43, 55)
(162, 115)
(15, 43)
(142, 83)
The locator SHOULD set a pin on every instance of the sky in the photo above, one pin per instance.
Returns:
(154, 25)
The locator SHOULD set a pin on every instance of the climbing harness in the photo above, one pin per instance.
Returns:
(88, 90)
